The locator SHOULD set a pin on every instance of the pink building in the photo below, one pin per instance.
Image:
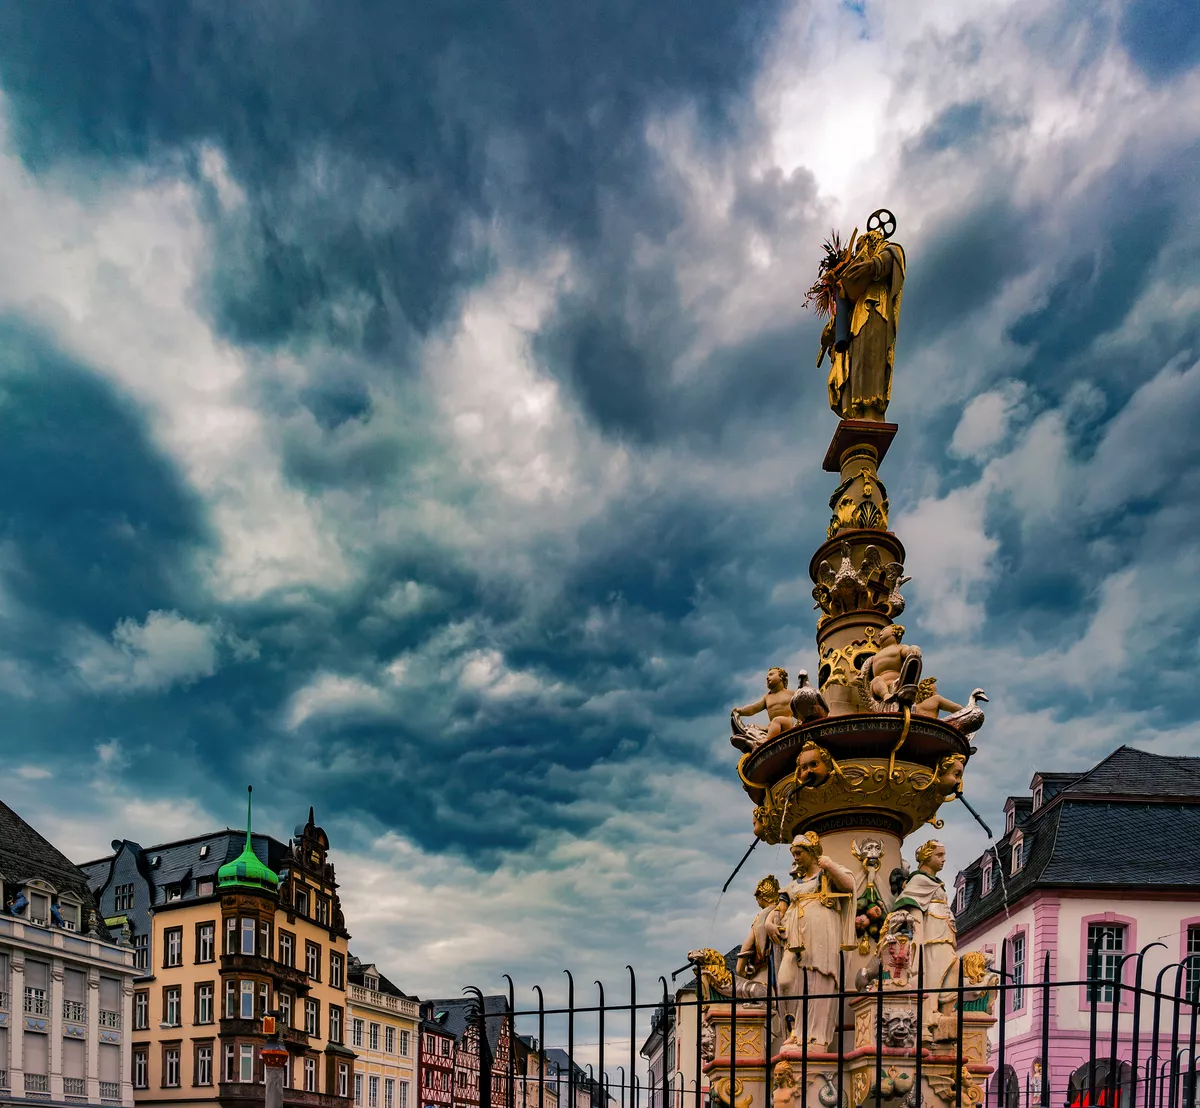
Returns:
(1105, 856)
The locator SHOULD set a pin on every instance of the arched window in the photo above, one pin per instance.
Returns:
(1018, 852)
(987, 874)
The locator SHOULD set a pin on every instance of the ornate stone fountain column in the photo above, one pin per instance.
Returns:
(861, 762)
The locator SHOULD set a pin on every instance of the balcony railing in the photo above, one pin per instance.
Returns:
(4, 1002)
(37, 1083)
(75, 1011)
(110, 1019)
(3, 1079)
(75, 1086)
(110, 1090)
(398, 1004)
(36, 1003)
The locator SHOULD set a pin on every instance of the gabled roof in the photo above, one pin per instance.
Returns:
(1118, 825)
(461, 1013)
(186, 861)
(26, 854)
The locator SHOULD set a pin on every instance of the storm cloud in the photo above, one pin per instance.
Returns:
(412, 412)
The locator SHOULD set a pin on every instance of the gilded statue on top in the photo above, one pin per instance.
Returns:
(858, 289)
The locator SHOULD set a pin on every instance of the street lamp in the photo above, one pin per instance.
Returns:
(275, 1060)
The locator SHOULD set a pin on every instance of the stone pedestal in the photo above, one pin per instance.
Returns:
(749, 1078)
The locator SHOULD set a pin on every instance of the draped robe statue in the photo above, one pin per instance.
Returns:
(870, 286)
(816, 925)
(924, 896)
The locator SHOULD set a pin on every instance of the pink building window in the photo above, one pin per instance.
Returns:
(1106, 939)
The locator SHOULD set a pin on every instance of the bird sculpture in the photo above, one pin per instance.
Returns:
(846, 585)
(807, 702)
(969, 718)
(893, 576)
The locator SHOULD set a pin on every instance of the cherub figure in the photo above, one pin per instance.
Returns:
(893, 666)
(785, 1092)
(776, 702)
(930, 702)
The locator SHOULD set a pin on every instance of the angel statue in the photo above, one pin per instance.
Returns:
(858, 289)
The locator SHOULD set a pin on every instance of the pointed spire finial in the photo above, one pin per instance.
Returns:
(312, 819)
(249, 812)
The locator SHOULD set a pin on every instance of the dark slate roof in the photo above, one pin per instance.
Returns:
(180, 863)
(460, 1013)
(1115, 826)
(26, 854)
(1054, 783)
(1127, 772)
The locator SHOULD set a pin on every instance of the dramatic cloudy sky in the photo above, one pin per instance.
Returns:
(410, 409)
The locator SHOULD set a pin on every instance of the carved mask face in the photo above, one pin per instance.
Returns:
(811, 770)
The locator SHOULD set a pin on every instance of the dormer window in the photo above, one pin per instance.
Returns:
(174, 892)
(1010, 820)
(371, 983)
(960, 895)
(1037, 796)
(39, 905)
(68, 911)
(301, 901)
(987, 875)
(1018, 852)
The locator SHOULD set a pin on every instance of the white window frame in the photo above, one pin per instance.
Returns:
(246, 1063)
(1114, 937)
(206, 942)
(372, 1091)
(310, 1075)
(246, 991)
(141, 1068)
(357, 1029)
(248, 928)
(204, 1060)
(204, 1003)
(1019, 960)
(173, 999)
(171, 1062)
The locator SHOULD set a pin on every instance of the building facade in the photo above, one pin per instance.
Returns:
(66, 994)
(536, 1084)
(1089, 869)
(229, 927)
(383, 1036)
(435, 1065)
(460, 1018)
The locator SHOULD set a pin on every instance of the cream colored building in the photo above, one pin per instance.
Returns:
(383, 1026)
(223, 937)
(65, 983)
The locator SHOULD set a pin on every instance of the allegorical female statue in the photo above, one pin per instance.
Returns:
(924, 896)
(859, 288)
(817, 923)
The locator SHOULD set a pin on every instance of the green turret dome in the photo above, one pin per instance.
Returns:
(246, 871)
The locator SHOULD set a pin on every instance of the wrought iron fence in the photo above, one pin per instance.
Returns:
(1138, 1049)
